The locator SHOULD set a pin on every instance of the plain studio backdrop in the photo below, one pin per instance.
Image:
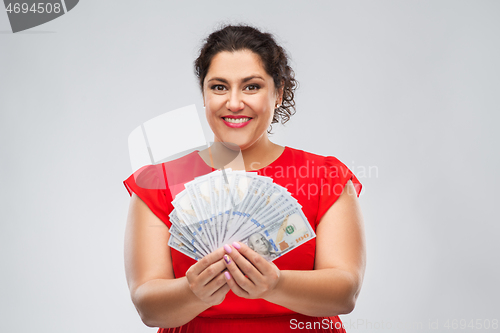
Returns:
(405, 93)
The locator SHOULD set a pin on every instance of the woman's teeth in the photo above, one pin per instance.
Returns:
(236, 120)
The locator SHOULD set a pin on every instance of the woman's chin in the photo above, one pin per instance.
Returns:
(231, 146)
(235, 143)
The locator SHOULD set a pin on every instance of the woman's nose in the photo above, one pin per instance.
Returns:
(234, 102)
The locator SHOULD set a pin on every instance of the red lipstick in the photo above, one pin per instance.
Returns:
(236, 125)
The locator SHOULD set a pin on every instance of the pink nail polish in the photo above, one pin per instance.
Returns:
(228, 276)
(227, 248)
(237, 245)
(226, 259)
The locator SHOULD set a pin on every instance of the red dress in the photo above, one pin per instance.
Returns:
(315, 181)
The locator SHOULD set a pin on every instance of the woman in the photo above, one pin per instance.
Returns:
(247, 85)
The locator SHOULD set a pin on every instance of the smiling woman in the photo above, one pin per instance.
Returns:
(247, 85)
(240, 99)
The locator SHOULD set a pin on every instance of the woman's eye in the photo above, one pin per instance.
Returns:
(253, 87)
(217, 87)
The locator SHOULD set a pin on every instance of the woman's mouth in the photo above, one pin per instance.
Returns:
(236, 122)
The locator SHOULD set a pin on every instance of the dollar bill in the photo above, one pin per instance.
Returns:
(278, 238)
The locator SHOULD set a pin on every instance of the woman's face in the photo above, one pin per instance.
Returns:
(239, 97)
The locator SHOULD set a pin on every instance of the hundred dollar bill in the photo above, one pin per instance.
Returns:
(178, 245)
(273, 216)
(278, 238)
(277, 203)
(186, 212)
(192, 237)
(180, 236)
(280, 202)
(199, 195)
(235, 187)
(214, 188)
(217, 186)
(256, 189)
(252, 202)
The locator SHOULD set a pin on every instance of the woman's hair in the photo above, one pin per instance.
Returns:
(274, 58)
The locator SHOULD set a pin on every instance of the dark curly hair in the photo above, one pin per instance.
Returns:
(240, 37)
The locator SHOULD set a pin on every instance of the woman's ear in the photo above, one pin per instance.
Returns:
(279, 97)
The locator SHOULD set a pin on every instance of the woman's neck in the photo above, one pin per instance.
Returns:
(261, 154)
(257, 156)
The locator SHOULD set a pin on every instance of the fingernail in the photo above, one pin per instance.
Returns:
(227, 248)
(228, 276)
(237, 245)
(226, 259)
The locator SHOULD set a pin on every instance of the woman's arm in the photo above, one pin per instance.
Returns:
(160, 298)
(332, 287)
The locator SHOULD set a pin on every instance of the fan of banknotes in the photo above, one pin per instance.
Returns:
(227, 205)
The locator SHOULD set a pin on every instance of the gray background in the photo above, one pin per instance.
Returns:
(408, 88)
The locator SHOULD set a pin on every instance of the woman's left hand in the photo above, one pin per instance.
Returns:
(250, 275)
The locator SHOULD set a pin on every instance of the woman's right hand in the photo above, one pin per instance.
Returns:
(206, 278)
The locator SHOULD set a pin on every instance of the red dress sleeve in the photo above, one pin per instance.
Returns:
(334, 178)
(149, 184)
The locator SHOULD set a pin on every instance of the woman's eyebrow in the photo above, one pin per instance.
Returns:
(244, 80)
(253, 77)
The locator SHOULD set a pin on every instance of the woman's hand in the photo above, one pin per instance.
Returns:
(250, 275)
(206, 278)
